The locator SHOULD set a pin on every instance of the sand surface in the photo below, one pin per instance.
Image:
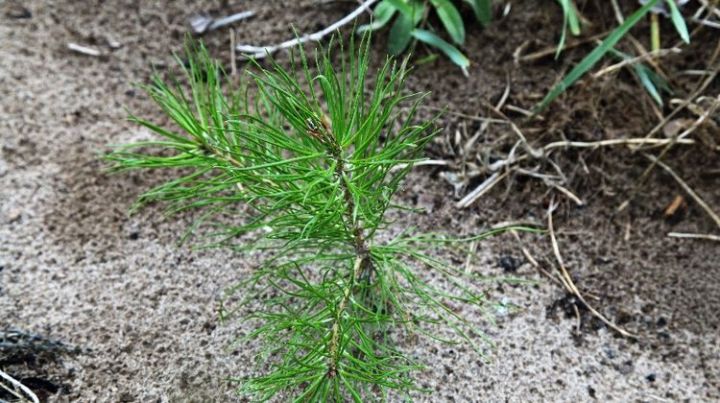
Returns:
(77, 268)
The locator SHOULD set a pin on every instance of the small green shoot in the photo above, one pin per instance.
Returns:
(570, 20)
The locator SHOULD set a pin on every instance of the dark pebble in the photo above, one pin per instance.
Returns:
(591, 391)
(662, 322)
(19, 13)
(134, 236)
(651, 378)
(509, 263)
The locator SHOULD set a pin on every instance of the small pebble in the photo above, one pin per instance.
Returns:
(508, 263)
(591, 391)
(18, 13)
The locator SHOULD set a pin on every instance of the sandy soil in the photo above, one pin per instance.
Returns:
(76, 268)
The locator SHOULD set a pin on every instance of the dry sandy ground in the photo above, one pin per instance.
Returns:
(75, 267)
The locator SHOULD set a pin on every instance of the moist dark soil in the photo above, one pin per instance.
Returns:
(139, 312)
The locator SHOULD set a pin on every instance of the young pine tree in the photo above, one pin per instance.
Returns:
(314, 157)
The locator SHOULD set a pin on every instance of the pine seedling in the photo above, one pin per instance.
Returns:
(311, 158)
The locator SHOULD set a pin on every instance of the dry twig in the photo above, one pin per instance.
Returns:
(17, 387)
(483, 188)
(709, 237)
(85, 50)
(259, 52)
(628, 62)
(687, 188)
(568, 282)
(201, 24)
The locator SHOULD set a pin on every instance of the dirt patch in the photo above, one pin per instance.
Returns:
(75, 268)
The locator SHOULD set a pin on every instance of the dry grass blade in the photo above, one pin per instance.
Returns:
(483, 188)
(687, 188)
(578, 201)
(17, 387)
(638, 59)
(568, 282)
(534, 261)
(550, 51)
(671, 142)
(651, 142)
(709, 237)
(696, 93)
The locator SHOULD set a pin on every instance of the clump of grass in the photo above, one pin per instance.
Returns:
(409, 19)
(316, 156)
(649, 80)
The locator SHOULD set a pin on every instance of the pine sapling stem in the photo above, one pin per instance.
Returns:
(362, 268)
(335, 338)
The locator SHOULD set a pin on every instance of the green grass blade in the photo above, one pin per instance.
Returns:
(482, 10)
(451, 20)
(382, 14)
(450, 51)
(678, 21)
(403, 6)
(590, 60)
(570, 20)
(400, 34)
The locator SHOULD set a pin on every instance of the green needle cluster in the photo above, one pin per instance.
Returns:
(313, 158)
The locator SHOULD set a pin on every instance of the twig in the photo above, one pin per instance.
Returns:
(233, 61)
(696, 93)
(569, 194)
(521, 111)
(463, 115)
(567, 280)
(687, 188)
(15, 383)
(483, 188)
(259, 52)
(88, 51)
(674, 140)
(613, 142)
(221, 22)
(511, 160)
(202, 23)
(552, 50)
(533, 261)
(421, 163)
(709, 237)
(654, 54)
